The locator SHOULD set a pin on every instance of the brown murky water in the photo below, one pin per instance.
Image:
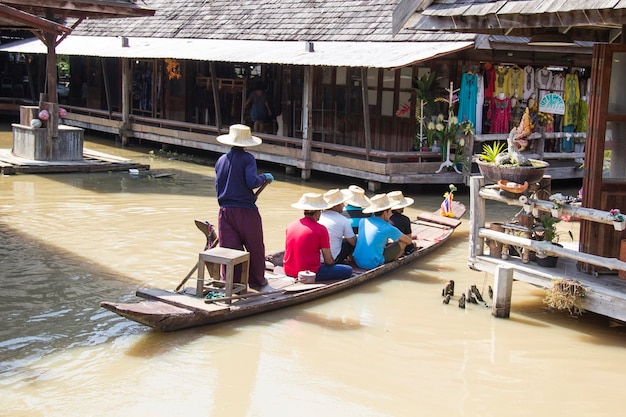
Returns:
(389, 348)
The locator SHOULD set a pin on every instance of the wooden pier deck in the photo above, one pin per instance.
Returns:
(605, 292)
(93, 161)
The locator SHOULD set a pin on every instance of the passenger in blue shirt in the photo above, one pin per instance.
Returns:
(239, 223)
(378, 241)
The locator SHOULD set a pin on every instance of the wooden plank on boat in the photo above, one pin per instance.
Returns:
(182, 301)
(437, 218)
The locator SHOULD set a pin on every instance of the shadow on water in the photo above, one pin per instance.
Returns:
(54, 303)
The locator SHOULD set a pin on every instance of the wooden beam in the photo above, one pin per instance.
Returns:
(31, 21)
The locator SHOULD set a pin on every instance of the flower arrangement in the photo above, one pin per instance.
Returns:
(544, 119)
(44, 115)
(618, 219)
(617, 215)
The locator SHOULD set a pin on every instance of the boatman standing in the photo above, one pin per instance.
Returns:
(239, 223)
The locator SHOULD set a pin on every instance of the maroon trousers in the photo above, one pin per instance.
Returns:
(241, 228)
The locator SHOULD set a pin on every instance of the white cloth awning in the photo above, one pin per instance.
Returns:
(336, 54)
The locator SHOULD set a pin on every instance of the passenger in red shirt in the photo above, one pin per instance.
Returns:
(306, 239)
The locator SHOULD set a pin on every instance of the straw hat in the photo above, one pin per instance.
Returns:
(399, 200)
(311, 202)
(358, 197)
(336, 196)
(239, 135)
(380, 202)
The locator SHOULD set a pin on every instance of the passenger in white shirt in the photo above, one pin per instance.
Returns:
(342, 237)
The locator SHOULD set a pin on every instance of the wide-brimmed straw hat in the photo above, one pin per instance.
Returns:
(358, 198)
(399, 200)
(311, 202)
(239, 135)
(337, 196)
(380, 202)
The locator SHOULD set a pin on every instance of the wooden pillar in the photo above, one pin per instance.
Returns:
(51, 80)
(622, 257)
(366, 113)
(477, 213)
(126, 100)
(307, 120)
(503, 287)
(216, 98)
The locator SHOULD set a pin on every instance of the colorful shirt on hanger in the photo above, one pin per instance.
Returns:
(516, 81)
(467, 98)
(499, 113)
(502, 79)
(490, 81)
(529, 82)
(480, 101)
(543, 82)
(571, 97)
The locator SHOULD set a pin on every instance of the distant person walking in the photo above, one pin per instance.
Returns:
(259, 108)
(239, 222)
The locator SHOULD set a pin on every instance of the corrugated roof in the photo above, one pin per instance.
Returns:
(354, 54)
(588, 20)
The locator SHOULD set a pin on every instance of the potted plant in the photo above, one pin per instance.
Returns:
(510, 164)
(619, 222)
(545, 229)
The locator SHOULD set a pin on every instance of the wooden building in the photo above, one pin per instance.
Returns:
(604, 182)
(335, 74)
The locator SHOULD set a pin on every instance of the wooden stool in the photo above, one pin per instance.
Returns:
(216, 257)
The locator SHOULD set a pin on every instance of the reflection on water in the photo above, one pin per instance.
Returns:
(389, 348)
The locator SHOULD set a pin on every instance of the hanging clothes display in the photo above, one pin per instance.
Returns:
(529, 82)
(516, 111)
(467, 98)
(583, 112)
(515, 81)
(558, 83)
(490, 81)
(499, 113)
(543, 82)
(480, 101)
(502, 79)
(571, 97)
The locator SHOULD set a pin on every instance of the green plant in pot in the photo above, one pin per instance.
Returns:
(546, 230)
(510, 164)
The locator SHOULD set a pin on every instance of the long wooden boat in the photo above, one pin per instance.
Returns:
(174, 310)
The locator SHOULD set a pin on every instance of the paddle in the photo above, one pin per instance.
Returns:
(212, 239)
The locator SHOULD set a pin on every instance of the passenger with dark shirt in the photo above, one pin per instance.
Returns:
(399, 219)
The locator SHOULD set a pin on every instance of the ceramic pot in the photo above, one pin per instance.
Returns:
(619, 226)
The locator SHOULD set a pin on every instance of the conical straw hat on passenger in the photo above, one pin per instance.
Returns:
(311, 202)
(380, 202)
(399, 200)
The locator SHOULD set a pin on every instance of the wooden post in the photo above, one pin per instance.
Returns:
(477, 213)
(622, 257)
(503, 287)
(216, 98)
(366, 113)
(307, 122)
(126, 100)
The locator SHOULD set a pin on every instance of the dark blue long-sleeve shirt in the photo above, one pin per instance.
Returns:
(236, 178)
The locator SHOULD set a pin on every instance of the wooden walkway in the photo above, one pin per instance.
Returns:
(605, 292)
(93, 161)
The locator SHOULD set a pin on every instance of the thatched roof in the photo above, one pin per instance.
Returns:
(274, 20)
